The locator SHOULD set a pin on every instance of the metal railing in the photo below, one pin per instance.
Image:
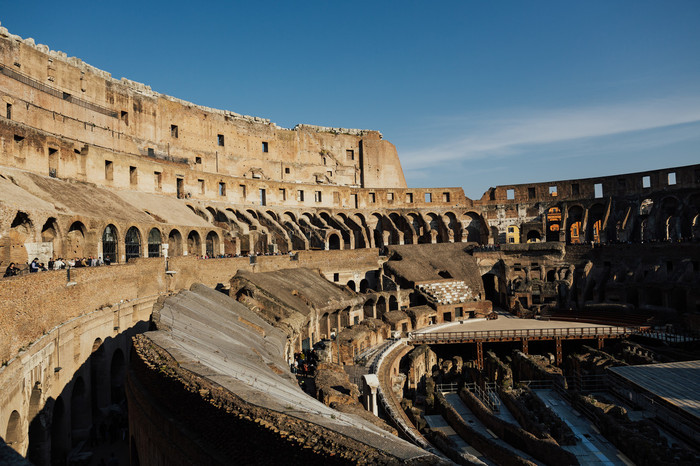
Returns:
(487, 395)
(570, 332)
(447, 387)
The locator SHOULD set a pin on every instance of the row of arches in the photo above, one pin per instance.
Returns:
(110, 242)
(53, 426)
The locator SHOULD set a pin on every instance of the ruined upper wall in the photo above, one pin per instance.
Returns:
(66, 98)
(638, 183)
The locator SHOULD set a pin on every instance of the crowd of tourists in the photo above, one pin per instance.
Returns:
(54, 264)
(304, 363)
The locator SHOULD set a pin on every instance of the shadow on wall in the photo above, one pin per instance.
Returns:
(87, 418)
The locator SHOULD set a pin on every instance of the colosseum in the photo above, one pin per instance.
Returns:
(195, 286)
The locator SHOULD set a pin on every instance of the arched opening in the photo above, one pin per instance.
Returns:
(368, 308)
(212, 244)
(533, 236)
(381, 307)
(334, 242)
(117, 371)
(49, 234)
(39, 438)
(491, 288)
(154, 240)
(20, 232)
(132, 243)
(574, 230)
(109, 244)
(80, 419)
(696, 227)
(59, 433)
(553, 223)
(595, 222)
(98, 387)
(13, 433)
(364, 285)
(174, 243)
(551, 275)
(194, 244)
(475, 228)
(75, 240)
(393, 303)
(351, 285)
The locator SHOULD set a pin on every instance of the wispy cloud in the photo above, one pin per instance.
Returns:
(507, 136)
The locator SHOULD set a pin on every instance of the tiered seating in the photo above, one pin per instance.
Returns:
(452, 292)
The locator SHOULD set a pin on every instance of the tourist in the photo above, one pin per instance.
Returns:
(34, 266)
(11, 270)
(59, 264)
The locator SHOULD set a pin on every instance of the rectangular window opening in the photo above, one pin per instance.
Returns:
(372, 198)
(151, 152)
(445, 197)
(530, 193)
(646, 181)
(9, 111)
(317, 196)
(158, 178)
(222, 188)
(198, 160)
(133, 176)
(510, 194)
(220, 139)
(265, 147)
(428, 197)
(287, 171)
(390, 197)
(263, 197)
(300, 195)
(173, 131)
(409, 198)
(283, 194)
(201, 186)
(109, 170)
(598, 189)
(350, 154)
(336, 277)
(125, 117)
(242, 190)
(672, 178)
(553, 191)
(18, 138)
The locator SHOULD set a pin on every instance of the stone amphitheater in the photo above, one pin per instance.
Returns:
(208, 249)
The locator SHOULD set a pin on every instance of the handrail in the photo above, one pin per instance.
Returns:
(525, 333)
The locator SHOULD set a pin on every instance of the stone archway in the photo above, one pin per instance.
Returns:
(132, 244)
(174, 243)
(154, 242)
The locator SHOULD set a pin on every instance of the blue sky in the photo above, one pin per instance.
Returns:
(472, 93)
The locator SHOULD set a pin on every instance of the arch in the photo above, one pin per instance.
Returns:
(13, 433)
(351, 285)
(194, 243)
(59, 434)
(154, 242)
(553, 223)
(596, 214)
(50, 234)
(381, 307)
(696, 227)
(132, 243)
(117, 372)
(368, 309)
(393, 303)
(75, 240)
(475, 228)
(574, 225)
(38, 448)
(334, 241)
(80, 419)
(455, 226)
(364, 285)
(109, 244)
(212, 244)
(533, 236)
(174, 243)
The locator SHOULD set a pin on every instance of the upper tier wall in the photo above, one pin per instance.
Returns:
(69, 99)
